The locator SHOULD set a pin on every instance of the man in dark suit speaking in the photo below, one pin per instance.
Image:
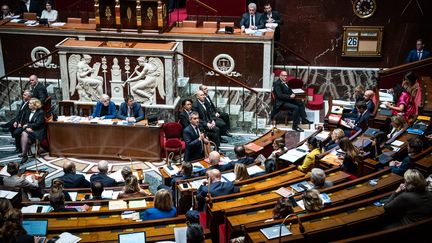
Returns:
(285, 100)
(419, 53)
(252, 20)
(194, 139)
(272, 17)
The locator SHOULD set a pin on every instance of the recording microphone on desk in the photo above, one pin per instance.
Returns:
(301, 227)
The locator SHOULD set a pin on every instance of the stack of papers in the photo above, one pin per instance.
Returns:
(323, 135)
(107, 194)
(293, 155)
(138, 204)
(298, 91)
(254, 169)
(118, 204)
(57, 24)
(172, 170)
(7, 194)
(34, 209)
(284, 192)
(397, 143)
(197, 183)
(66, 237)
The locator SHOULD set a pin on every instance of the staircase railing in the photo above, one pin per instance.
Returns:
(14, 94)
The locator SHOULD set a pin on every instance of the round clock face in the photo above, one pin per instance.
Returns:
(364, 8)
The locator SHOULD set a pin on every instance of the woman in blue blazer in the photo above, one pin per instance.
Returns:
(163, 207)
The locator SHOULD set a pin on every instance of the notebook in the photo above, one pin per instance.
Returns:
(132, 237)
(385, 112)
(384, 158)
(35, 227)
(273, 231)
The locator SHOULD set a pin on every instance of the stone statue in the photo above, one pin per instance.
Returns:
(144, 83)
(84, 79)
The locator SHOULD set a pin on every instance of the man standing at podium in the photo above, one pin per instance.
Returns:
(252, 20)
(419, 53)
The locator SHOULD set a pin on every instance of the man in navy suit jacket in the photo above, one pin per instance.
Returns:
(270, 17)
(105, 108)
(252, 19)
(240, 152)
(361, 121)
(214, 159)
(29, 6)
(419, 53)
(285, 99)
(38, 89)
(130, 110)
(102, 175)
(194, 139)
(71, 179)
(217, 188)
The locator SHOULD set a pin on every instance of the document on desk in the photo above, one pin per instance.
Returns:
(117, 176)
(138, 203)
(397, 143)
(293, 155)
(107, 194)
(230, 176)
(73, 195)
(66, 237)
(180, 234)
(323, 135)
(254, 169)
(197, 183)
(117, 204)
(57, 24)
(298, 91)
(172, 170)
(7, 194)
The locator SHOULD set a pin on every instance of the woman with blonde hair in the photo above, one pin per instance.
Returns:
(312, 200)
(57, 185)
(240, 172)
(163, 207)
(335, 136)
(411, 202)
(398, 123)
(132, 188)
(34, 129)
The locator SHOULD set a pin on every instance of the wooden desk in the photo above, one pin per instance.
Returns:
(104, 141)
(263, 144)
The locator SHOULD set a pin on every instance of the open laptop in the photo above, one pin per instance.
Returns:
(35, 227)
(132, 237)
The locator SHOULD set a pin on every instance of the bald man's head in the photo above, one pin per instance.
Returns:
(69, 167)
(214, 175)
(214, 157)
(368, 95)
(200, 95)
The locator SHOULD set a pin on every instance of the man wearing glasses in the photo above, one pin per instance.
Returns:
(285, 100)
(105, 109)
(419, 53)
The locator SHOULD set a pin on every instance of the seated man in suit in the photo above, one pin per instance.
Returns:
(97, 188)
(105, 109)
(360, 122)
(38, 89)
(419, 53)
(19, 120)
(242, 158)
(367, 98)
(272, 17)
(285, 99)
(102, 175)
(71, 179)
(29, 6)
(252, 20)
(415, 146)
(217, 188)
(206, 122)
(16, 183)
(194, 139)
(221, 118)
(130, 110)
(184, 114)
(214, 159)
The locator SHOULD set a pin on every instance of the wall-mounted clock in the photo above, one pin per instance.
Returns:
(364, 8)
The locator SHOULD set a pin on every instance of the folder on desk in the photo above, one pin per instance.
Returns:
(118, 204)
(275, 231)
(138, 203)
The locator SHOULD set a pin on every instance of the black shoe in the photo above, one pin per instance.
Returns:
(24, 159)
(223, 140)
(228, 134)
(297, 129)
(306, 121)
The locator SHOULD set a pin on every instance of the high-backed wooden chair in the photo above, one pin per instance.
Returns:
(30, 16)
(223, 24)
(66, 108)
(74, 20)
(190, 23)
(210, 24)
(84, 110)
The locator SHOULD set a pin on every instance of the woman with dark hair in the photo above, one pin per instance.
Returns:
(163, 207)
(315, 148)
(57, 185)
(410, 84)
(350, 159)
(49, 13)
(283, 208)
(12, 231)
(411, 202)
(404, 105)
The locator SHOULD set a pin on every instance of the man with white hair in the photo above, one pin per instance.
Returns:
(105, 108)
(217, 188)
(214, 159)
(252, 20)
(318, 178)
(102, 176)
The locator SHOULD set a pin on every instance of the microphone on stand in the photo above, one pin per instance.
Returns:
(301, 227)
